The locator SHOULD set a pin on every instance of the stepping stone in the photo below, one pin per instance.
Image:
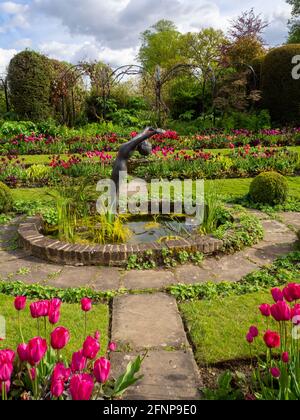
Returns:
(191, 274)
(149, 321)
(168, 375)
(147, 279)
(292, 219)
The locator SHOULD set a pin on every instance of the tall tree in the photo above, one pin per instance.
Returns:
(294, 22)
(161, 45)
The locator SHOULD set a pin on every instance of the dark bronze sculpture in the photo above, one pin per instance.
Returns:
(138, 143)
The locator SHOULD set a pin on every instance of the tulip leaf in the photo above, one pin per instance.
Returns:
(128, 378)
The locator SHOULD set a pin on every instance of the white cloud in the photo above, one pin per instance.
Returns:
(12, 8)
(5, 57)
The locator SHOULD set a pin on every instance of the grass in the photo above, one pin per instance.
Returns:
(218, 327)
(71, 317)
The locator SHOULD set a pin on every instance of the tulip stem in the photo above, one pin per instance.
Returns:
(85, 324)
(20, 327)
(45, 326)
(4, 396)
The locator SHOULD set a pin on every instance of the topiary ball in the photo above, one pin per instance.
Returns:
(269, 188)
(5, 198)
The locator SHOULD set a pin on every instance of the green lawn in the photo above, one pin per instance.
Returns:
(218, 327)
(71, 318)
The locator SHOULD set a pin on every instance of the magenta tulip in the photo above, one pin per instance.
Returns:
(272, 339)
(59, 338)
(285, 357)
(81, 387)
(277, 294)
(78, 362)
(275, 372)
(249, 338)
(54, 316)
(57, 388)
(59, 377)
(86, 304)
(102, 370)
(40, 309)
(112, 346)
(253, 331)
(91, 348)
(265, 310)
(281, 311)
(6, 364)
(291, 292)
(97, 335)
(36, 350)
(20, 303)
(22, 352)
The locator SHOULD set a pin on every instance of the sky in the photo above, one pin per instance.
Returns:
(109, 30)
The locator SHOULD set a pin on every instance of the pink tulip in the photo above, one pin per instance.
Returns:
(78, 362)
(20, 303)
(59, 338)
(281, 311)
(6, 364)
(59, 377)
(285, 357)
(272, 339)
(265, 309)
(277, 294)
(291, 292)
(57, 387)
(86, 304)
(36, 350)
(253, 331)
(112, 346)
(275, 372)
(54, 317)
(81, 387)
(40, 309)
(22, 352)
(91, 348)
(102, 370)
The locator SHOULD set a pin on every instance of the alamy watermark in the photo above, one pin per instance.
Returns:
(165, 197)
(2, 328)
(296, 68)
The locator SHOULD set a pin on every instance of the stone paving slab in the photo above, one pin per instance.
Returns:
(292, 219)
(168, 375)
(146, 279)
(147, 321)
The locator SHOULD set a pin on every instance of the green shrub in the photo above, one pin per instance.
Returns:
(5, 198)
(280, 90)
(29, 79)
(269, 188)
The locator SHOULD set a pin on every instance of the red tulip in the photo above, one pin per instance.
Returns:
(59, 338)
(249, 338)
(253, 331)
(275, 372)
(272, 339)
(91, 348)
(285, 357)
(281, 311)
(22, 352)
(36, 350)
(81, 387)
(112, 346)
(78, 362)
(277, 294)
(86, 304)
(20, 303)
(6, 364)
(102, 370)
(265, 309)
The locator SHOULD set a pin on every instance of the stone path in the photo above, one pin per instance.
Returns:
(151, 322)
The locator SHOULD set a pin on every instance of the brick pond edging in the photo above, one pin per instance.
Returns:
(41, 246)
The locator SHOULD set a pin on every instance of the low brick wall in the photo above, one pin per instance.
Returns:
(38, 245)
